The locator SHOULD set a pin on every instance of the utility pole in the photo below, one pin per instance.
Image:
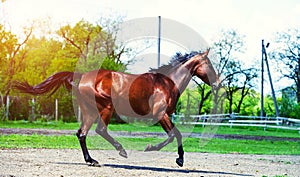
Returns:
(158, 42)
(265, 57)
(271, 82)
(262, 110)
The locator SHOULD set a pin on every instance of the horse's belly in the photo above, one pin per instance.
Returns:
(137, 109)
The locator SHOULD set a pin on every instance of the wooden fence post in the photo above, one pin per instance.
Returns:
(79, 114)
(56, 109)
(7, 107)
(32, 110)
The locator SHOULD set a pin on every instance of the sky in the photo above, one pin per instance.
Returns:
(256, 19)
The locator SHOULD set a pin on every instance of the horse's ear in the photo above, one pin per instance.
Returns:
(206, 52)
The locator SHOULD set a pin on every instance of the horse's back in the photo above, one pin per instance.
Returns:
(132, 95)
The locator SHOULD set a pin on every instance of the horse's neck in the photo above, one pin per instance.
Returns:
(182, 75)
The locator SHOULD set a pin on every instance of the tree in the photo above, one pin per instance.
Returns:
(95, 45)
(250, 104)
(287, 56)
(246, 86)
(205, 92)
(11, 56)
(288, 105)
(80, 37)
(228, 49)
(41, 54)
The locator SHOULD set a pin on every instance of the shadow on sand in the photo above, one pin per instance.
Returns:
(157, 169)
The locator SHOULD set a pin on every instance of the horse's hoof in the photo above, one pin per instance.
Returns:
(94, 163)
(179, 162)
(123, 153)
(149, 147)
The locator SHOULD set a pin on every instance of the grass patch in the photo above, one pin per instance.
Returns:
(190, 144)
(245, 146)
(59, 125)
(38, 141)
(138, 127)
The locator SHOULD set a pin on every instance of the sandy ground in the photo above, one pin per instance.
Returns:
(66, 162)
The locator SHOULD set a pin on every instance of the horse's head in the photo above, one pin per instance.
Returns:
(205, 70)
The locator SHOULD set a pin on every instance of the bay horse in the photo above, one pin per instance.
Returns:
(100, 93)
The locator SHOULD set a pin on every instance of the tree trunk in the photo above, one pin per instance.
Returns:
(243, 95)
(203, 98)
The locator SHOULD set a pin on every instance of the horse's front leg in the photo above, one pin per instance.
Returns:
(178, 136)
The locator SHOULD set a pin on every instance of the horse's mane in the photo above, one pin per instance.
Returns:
(175, 61)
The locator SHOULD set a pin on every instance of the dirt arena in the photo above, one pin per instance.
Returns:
(66, 162)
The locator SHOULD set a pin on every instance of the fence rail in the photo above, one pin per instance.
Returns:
(239, 120)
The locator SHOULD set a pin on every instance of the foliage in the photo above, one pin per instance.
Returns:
(188, 102)
(237, 80)
(287, 56)
(94, 46)
(205, 97)
(250, 105)
(11, 57)
(237, 77)
(288, 107)
(103, 63)
(82, 47)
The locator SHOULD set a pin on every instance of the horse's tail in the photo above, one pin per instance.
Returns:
(51, 84)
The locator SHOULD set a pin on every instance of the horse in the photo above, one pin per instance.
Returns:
(154, 95)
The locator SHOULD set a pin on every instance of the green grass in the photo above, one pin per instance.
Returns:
(59, 125)
(138, 127)
(190, 144)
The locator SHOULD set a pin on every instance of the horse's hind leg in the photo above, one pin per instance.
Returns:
(168, 127)
(89, 116)
(102, 130)
(82, 140)
(172, 132)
